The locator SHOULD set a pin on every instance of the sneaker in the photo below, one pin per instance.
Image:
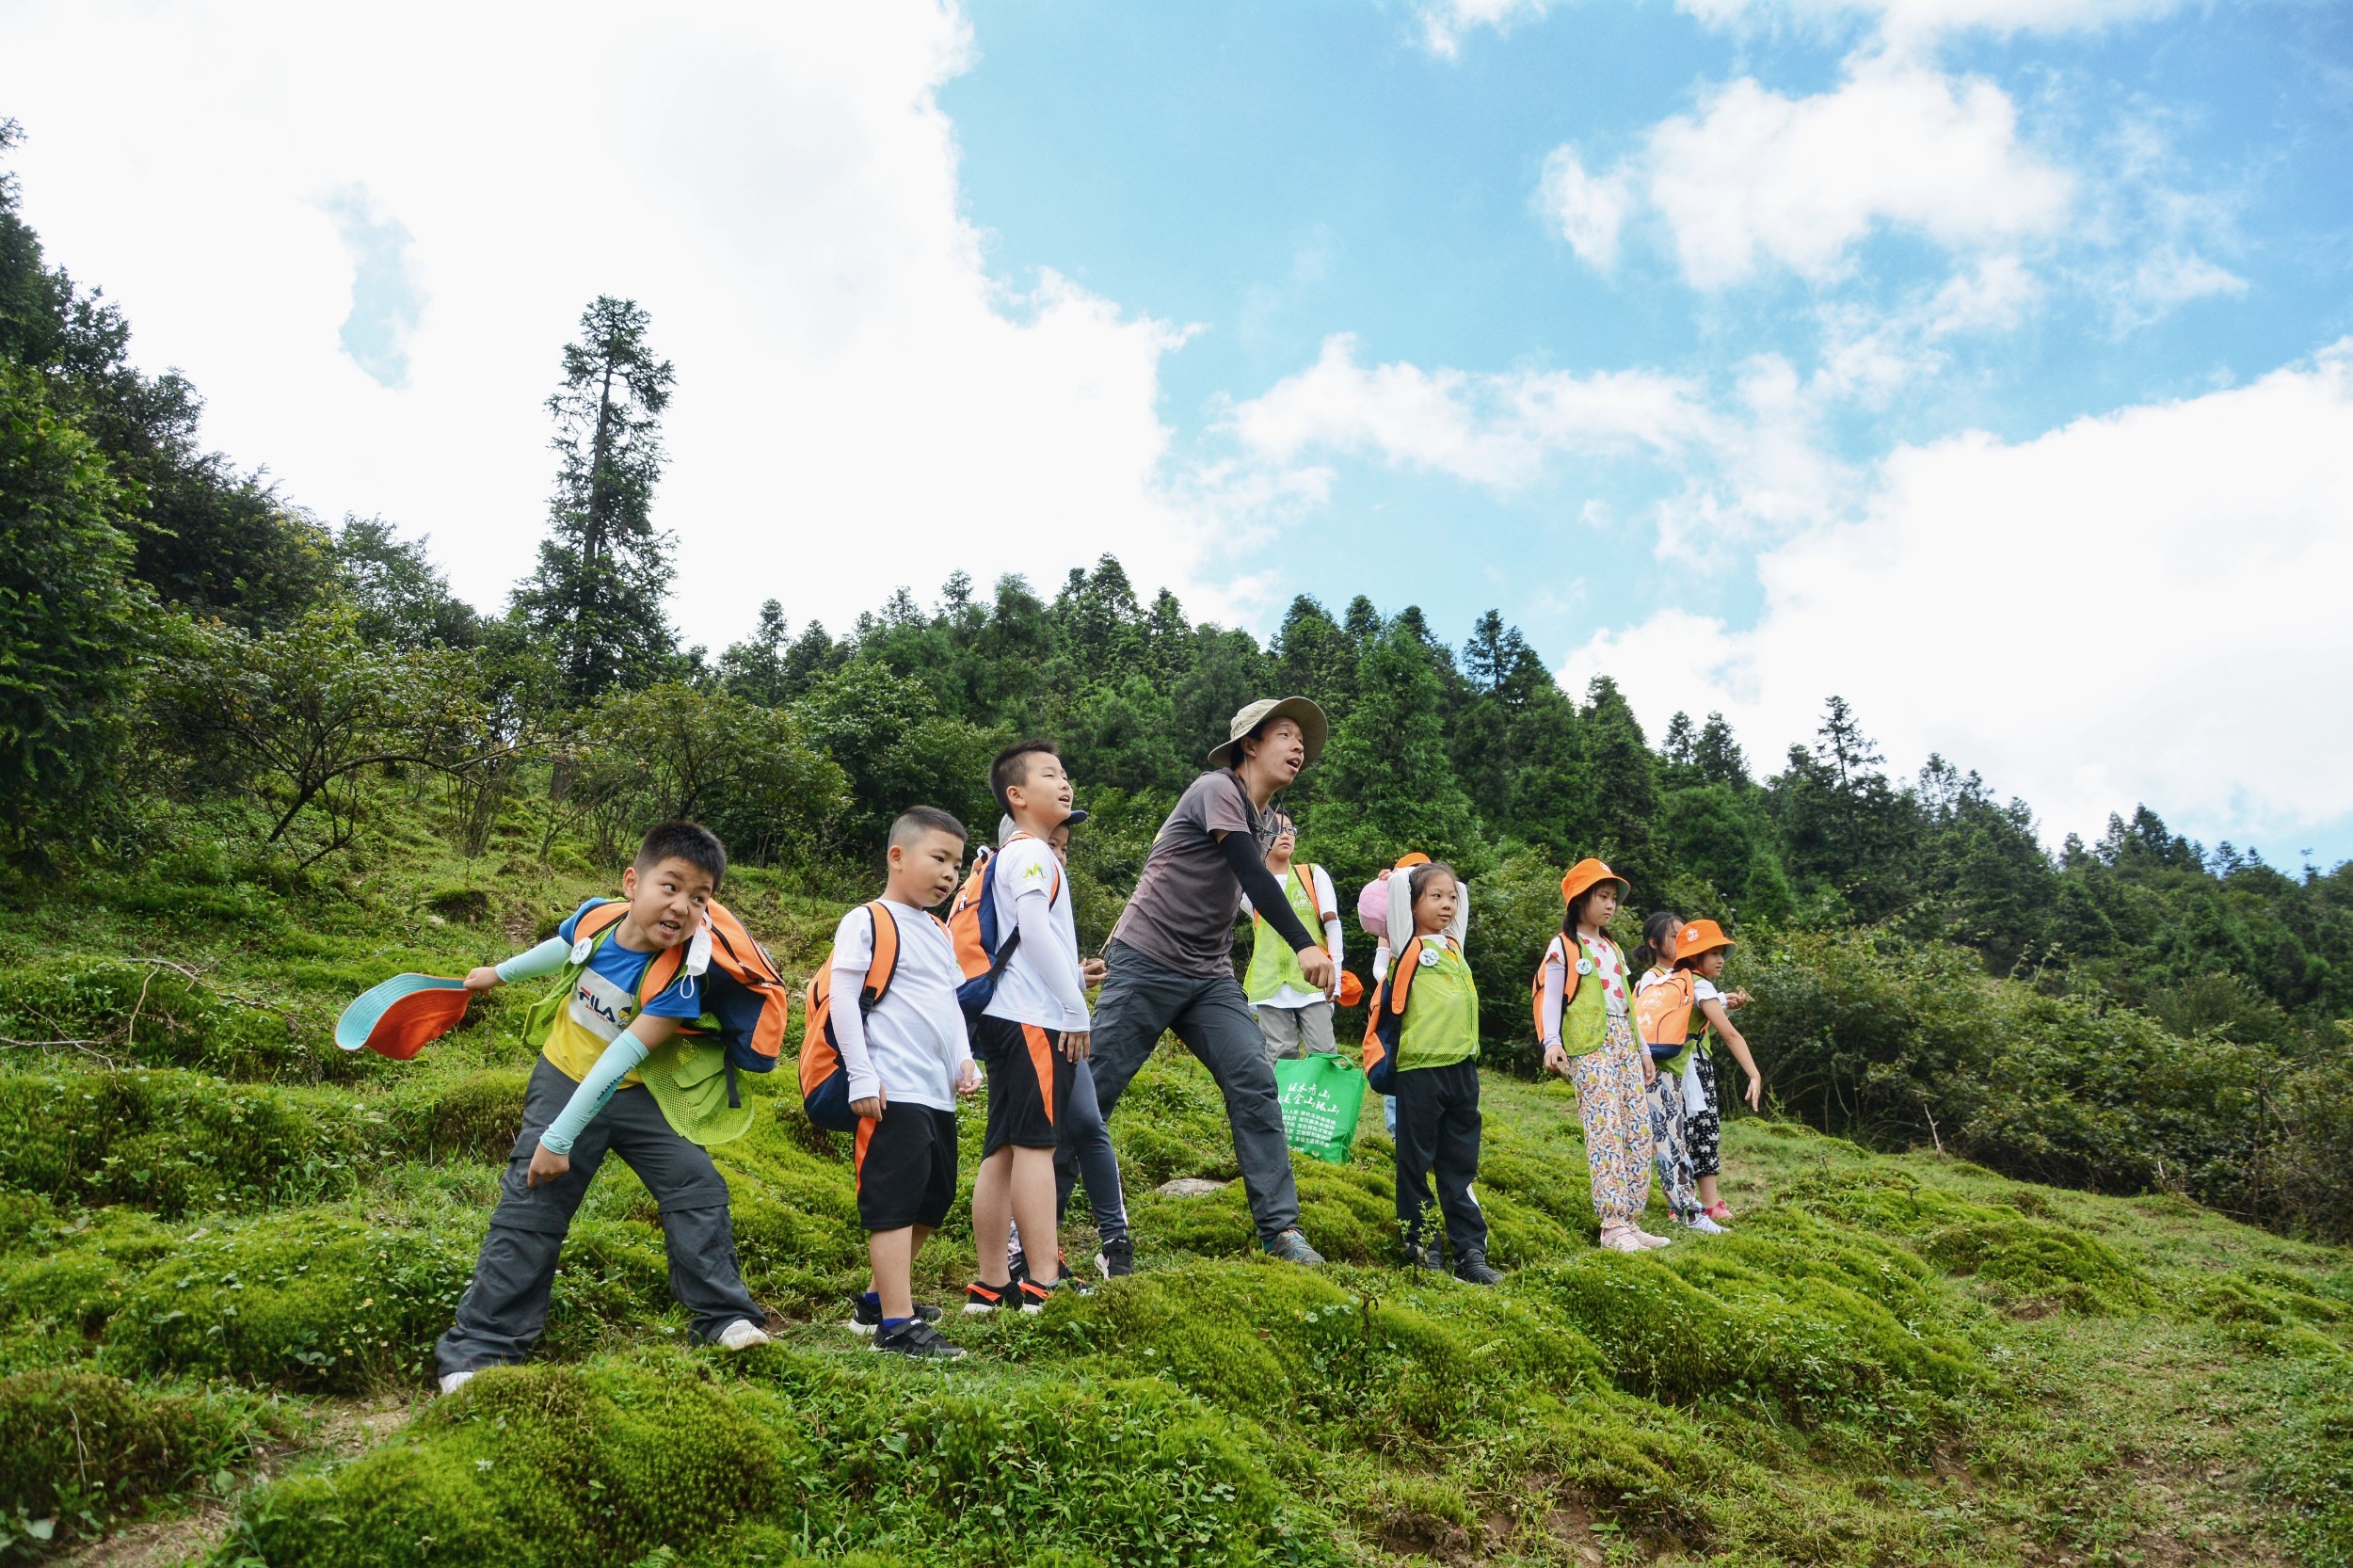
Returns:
(1646, 1239)
(740, 1334)
(452, 1382)
(1705, 1226)
(1621, 1239)
(919, 1341)
(987, 1298)
(1291, 1247)
(1116, 1258)
(866, 1315)
(1472, 1268)
(1034, 1293)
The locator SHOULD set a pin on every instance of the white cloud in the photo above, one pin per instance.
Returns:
(1758, 177)
(858, 405)
(1499, 430)
(1445, 22)
(1588, 210)
(2141, 607)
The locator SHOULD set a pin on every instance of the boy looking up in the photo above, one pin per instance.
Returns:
(907, 1061)
(1031, 1034)
(585, 1100)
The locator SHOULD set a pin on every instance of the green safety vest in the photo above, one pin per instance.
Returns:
(1441, 1024)
(1272, 963)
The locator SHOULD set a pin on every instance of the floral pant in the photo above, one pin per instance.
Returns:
(1670, 1151)
(1702, 1133)
(1609, 1102)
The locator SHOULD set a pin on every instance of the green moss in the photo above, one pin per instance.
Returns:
(152, 1014)
(315, 1301)
(84, 1450)
(2309, 1470)
(475, 1117)
(616, 1460)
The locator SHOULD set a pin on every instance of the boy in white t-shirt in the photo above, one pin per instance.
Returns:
(1031, 1034)
(907, 1060)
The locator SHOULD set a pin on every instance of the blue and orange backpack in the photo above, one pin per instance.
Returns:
(983, 951)
(747, 1002)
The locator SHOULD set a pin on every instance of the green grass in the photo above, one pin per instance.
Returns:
(226, 1249)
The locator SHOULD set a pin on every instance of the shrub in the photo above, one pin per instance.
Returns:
(82, 1449)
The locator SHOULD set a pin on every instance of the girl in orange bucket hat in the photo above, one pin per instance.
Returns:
(1584, 999)
(1699, 950)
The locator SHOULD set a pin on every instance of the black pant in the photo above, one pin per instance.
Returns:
(506, 1308)
(1437, 1129)
(1141, 1000)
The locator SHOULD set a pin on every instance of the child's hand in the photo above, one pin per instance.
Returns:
(968, 1078)
(1757, 1092)
(868, 1110)
(1737, 999)
(483, 979)
(546, 1166)
(1091, 972)
(1650, 1070)
(1076, 1043)
(1556, 1060)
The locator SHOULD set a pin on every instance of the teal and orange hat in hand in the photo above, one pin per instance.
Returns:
(402, 1016)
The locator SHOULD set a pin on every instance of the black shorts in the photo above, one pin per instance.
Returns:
(1029, 1083)
(906, 1167)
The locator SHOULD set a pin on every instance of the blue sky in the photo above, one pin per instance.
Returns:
(1988, 362)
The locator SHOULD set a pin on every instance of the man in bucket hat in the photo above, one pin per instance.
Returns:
(1171, 955)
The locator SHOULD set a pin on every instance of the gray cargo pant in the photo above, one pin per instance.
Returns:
(1141, 999)
(503, 1311)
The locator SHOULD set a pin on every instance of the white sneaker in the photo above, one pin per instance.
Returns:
(742, 1335)
(1647, 1240)
(1620, 1239)
(1706, 1226)
(452, 1382)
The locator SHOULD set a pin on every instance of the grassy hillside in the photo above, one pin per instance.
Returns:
(226, 1249)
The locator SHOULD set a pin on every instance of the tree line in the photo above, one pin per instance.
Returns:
(181, 644)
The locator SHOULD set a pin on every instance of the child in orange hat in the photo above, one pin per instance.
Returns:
(1701, 950)
(1584, 1005)
(1662, 1019)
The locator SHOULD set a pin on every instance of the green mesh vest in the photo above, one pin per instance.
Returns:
(1272, 963)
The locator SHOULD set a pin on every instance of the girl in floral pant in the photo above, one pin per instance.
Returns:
(1584, 997)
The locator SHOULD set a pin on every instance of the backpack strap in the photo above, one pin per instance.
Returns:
(1559, 946)
(1322, 915)
(884, 965)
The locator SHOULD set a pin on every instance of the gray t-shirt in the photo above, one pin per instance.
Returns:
(1183, 910)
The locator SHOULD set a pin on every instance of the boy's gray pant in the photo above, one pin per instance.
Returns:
(506, 1308)
(1141, 999)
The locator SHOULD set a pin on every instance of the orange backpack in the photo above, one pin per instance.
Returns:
(1662, 1013)
(825, 1077)
(982, 949)
(745, 1000)
(1387, 1016)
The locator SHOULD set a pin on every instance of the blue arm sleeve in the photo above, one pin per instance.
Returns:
(619, 1060)
(546, 959)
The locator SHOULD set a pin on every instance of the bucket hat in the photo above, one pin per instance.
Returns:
(1314, 727)
(402, 1016)
(1701, 936)
(1588, 872)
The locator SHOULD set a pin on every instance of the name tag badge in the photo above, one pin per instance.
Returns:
(1428, 959)
(1585, 966)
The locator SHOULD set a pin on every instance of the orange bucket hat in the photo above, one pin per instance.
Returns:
(1585, 873)
(1701, 936)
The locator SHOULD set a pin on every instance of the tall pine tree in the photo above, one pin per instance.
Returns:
(605, 571)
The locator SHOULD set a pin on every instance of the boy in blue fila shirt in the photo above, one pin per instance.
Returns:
(907, 1060)
(585, 1100)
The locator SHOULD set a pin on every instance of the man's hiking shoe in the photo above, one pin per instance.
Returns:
(1035, 1295)
(918, 1341)
(1427, 1255)
(1291, 1247)
(452, 1382)
(1472, 1268)
(866, 1315)
(1115, 1259)
(740, 1334)
(987, 1298)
